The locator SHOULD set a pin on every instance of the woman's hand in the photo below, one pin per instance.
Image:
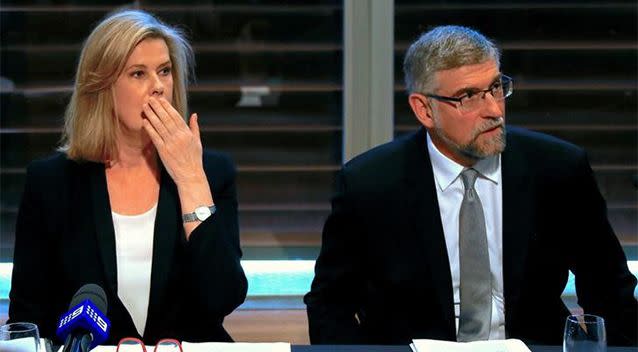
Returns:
(179, 147)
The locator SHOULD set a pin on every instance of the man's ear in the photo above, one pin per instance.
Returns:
(422, 109)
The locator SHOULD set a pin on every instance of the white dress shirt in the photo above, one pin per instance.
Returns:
(134, 251)
(449, 191)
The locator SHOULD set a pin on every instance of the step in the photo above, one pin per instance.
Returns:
(310, 23)
(525, 20)
(59, 66)
(289, 232)
(296, 147)
(214, 109)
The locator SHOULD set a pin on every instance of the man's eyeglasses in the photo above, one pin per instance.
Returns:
(132, 344)
(471, 101)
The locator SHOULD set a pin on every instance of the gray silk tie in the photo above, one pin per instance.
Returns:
(476, 278)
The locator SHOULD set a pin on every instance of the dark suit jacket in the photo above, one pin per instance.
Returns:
(65, 239)
(384, 259)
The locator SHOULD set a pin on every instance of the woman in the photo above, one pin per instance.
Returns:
(131, 202)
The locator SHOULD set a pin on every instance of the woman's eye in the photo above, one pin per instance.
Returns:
(137, 74)
(166, 70)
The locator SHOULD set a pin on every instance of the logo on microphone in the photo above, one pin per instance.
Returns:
(85, 316)
(71, 316)
(96, 318)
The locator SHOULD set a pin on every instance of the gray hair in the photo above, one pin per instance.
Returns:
(444, 48)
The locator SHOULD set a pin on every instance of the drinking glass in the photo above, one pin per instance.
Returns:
(19, 337)
(584, 332)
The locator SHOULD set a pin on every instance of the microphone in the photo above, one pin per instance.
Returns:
(85, 325)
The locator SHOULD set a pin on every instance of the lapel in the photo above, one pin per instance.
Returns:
(167, 233)
(104, 231)
(518, 220)
(429, 235)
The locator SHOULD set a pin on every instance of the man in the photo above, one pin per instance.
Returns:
(447, 234)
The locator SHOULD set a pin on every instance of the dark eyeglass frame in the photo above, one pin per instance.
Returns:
(141, 343)
(504, 79)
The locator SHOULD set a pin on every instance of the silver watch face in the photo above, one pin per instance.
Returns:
(202, 213)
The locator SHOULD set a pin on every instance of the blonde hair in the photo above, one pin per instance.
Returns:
(90, 124)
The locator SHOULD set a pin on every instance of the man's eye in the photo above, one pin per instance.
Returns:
(469, 94)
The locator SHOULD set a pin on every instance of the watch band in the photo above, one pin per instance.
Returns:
(191, 217)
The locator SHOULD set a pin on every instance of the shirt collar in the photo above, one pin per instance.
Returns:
(446, 171)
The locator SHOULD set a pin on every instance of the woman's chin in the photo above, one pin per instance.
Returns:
(134, 135)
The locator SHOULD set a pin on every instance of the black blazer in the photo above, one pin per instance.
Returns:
(65, 239)
(384, 259)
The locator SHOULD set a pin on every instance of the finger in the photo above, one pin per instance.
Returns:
(161, 112)
(155, 121)
(173, 113)
(155, 137)
(194, 125)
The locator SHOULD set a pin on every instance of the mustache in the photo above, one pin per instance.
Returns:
(491, 124)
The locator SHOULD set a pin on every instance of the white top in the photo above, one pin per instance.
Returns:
(134, 250)
(449, 192)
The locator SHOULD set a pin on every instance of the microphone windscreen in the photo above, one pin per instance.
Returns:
(92, 292)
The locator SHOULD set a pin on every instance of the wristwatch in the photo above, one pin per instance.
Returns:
(200, 214)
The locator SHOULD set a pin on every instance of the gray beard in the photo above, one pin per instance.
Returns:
(472, 150)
